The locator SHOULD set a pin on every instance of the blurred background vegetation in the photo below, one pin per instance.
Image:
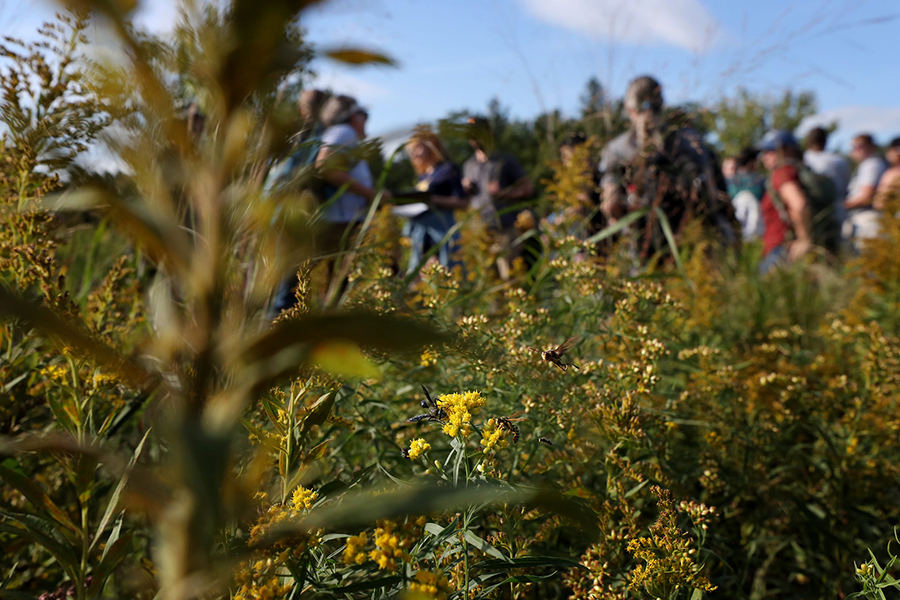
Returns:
(724, 435)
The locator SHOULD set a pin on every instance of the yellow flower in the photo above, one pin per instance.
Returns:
(430, 585)
(459, 409)
(492, 437)
(429, 357)
(303, 499)
(353, 553)
(417, 448)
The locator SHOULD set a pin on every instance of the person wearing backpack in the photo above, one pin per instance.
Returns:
(662, 166)
(798, 205)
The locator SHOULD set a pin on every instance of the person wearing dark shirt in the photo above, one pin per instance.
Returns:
(442, 180)
(496, 183)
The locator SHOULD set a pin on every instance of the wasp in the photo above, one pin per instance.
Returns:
(509, 424)
(555, 355)
(434, 413)
(544, 440)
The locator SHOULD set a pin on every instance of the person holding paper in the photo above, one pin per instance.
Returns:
(441, 179)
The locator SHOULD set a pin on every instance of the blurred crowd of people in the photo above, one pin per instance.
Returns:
(651, 181)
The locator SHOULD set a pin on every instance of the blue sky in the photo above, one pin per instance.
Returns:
(536, 55)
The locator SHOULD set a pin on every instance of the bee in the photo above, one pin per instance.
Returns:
(555, 355)
(404, 452)
(434, 412)
(509, 424)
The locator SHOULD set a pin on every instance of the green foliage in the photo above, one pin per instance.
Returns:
(741, 121)
(721, 433)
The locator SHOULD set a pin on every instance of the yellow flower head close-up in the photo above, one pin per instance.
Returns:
(418, 447)
(493, 437)
(430, 585)
(459, 409)
(303, 499)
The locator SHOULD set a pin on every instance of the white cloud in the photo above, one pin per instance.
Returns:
(682, 23)
(883, 122)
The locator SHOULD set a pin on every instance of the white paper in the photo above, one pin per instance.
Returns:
(408, 211)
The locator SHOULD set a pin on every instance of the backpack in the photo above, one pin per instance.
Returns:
(821, 197)
(683, 179)
(284, 172)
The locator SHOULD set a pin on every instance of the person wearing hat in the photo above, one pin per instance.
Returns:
(345, 127)
(889, 184)
(786, 218)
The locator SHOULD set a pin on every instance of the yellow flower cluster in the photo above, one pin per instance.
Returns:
(55, 372)
(430, 585)
(417, 448)
(493, 437)
(667, 553)
(391, 540)
(257, 581)
(388, 546)
(303, 499)
(459, 409)
(429, 357)
(354, 553)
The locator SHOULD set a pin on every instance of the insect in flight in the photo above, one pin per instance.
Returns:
(509, 424)
(434, 412)
(555, 355)
(544, 440)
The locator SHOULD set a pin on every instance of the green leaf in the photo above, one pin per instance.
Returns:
(51, 324)
(114, 499)
(316, 453)
(113, 555)
(619, 226)
(670, 238)
(370, 584)
(13, 595)
(529, 562)
(37, 497)
(318, 413)
(484, 546)
(636, 489)
(41, 532)
(358, 56)
(364, 509)
(344, 359)
(288, 344)
(485, 592)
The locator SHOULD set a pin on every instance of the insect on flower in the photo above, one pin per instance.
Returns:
(434, 412)
(509, 424)
(555, 355)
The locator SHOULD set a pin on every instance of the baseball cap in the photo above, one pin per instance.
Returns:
(777, 139)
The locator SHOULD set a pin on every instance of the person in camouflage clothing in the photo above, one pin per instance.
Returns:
(662, 165)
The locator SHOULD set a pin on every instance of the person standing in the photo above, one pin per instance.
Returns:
(662, 165)
(784, 207)
(831, 164)
(862, 218)
(746, 189)
(889, 185)
(496, 183)
(442, 180)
